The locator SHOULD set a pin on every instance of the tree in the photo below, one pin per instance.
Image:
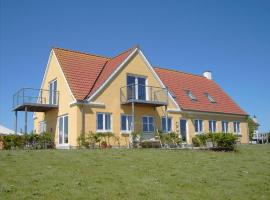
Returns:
(252, 126)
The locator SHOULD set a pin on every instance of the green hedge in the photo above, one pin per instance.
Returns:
(222, 141)
(28, 141)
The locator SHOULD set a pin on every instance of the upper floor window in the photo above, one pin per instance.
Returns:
(225, 126)
(198, 126)
(210, 98)
(104, 122)
(126, 123)
(191, 96)
(148, 124)
(212, 126)
(136, 87)
(169, 124)
(236, 127)
(53, 92)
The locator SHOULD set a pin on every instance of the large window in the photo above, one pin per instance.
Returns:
(169, 124)
(42, 126)
(53, 92)
(126, 123)
(148, 124)
(63, 129)
(104, 122)
(236, 127)
(136, 87)
(225, 126)
(212, 126)
(198, 126)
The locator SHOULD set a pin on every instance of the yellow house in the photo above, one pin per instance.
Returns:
(82, 92)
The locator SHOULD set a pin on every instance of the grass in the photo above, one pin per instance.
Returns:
(136, 174)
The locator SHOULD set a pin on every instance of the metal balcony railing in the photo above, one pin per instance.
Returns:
(31, 96)
(143, 94)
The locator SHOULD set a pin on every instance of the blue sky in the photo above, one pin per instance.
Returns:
(230, 38)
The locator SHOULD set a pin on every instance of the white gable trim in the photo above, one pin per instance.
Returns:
(64, 76)
(46, 70)
(157, 77)
(112, 75)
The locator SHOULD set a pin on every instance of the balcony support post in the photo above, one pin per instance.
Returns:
(166, 119)
(133, 117)
(25, 120)
(16, 121)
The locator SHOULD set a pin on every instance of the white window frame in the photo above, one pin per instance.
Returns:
(53, 92)
(200, 129)
(154, 126)
(42, 124)
(211, 122)
(136, 85)
(238, 131)
(103, 130)
(126, 131)
(58, 127)
(163, 128)
(227, 127)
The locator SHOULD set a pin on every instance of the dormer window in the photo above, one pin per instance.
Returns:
(191, 96)
(210, 98)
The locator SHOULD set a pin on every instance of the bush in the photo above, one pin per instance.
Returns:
(222, 141)
(170, 139)
(28, 141)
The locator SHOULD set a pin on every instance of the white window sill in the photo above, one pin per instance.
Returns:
(103, 131)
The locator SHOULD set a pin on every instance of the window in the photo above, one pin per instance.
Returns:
(126, 123)
(169, 124)
(136, 87)
(236, 127)
(42, 127)
(103, 122)
(198, 125)
(212, 126)
(225, 126)
(210, 98)
(53, 92)
(191, 96)
(148, 124)
(63, 129)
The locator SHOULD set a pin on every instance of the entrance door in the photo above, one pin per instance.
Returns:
(183, 129)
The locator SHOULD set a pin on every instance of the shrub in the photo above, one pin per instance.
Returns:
(222, 141)
(146, 144)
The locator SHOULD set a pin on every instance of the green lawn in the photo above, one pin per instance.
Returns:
(136, 174)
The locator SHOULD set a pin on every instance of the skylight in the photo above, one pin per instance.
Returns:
(210, 98)
(189, 93)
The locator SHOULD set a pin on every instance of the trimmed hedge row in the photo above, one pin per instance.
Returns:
(27, 141)
(219, 141)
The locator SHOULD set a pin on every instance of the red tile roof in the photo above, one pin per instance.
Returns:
(178, 82)
(85, 73)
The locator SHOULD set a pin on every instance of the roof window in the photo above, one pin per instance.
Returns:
(210, 98)
(191, 96)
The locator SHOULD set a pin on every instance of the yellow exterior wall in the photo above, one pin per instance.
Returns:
(110, 97)
(65, 98)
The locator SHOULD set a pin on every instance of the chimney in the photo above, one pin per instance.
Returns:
(208, 75)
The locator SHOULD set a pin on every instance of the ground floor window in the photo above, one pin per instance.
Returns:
(212, 126)
(198, 126)
(148, 124)
(169, 124)
(42, 126)
(225, 125)
(236, 127)
(126, 123)
(104, 122)
(63, 129)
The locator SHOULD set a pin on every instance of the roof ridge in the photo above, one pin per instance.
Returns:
(136, 46)
(174, 70)
(74, 51)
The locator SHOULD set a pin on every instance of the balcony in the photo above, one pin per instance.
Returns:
(145, 95)
(35, 100)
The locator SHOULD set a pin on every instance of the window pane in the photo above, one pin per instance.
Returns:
(200, 126)
(129, 123)
(130, 87)
(210, 127)
(163, 124)
(145, 128)
(169, 124)
(123, 123)
(196, 126)
(141, 89)
(50, 93)
(145, 120)
(66, 129)
(60, 130)
(54, 92)
(214, 126)
(107, 121)
(100, 121)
